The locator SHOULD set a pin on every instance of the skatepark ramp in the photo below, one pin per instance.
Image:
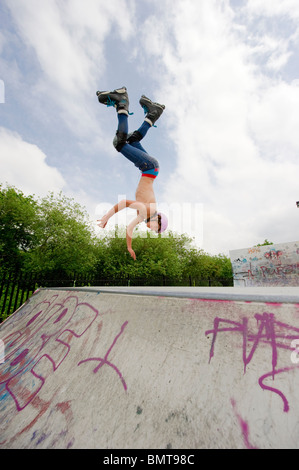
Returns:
(151, 368)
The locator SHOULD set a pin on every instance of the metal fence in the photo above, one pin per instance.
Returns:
(15, 289)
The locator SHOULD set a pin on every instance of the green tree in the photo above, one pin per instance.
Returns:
(266, 242)
(17, 223)
(54, 236)
(224, 264)
(173, 257)
(202, 266)
(65, 242)
(157, 256)
(160, 256)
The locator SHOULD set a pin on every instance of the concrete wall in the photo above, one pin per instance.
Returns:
(90, 369)
(270, 265)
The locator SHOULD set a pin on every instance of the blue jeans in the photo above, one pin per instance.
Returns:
(134, 151)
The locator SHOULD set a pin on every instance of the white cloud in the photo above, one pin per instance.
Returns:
(230, 114)
(273, 7)
(274, 30)
(68, 39)
(234, 128)
(274, 50)
(274, 120)
(24, 166)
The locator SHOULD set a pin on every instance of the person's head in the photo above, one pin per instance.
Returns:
(158, 222)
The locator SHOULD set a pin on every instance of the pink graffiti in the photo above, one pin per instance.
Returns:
(244, 426)
(273, 254)
(269, 331)
(281, 270)
(103, 361)
(38, 349)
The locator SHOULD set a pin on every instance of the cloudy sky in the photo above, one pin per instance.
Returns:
(228, 141)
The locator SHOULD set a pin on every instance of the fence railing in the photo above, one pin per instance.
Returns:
(15, 289)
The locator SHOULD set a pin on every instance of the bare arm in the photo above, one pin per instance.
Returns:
(130, 230)
(120, 206)
(142, 214)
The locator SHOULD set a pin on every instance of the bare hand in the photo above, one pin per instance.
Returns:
(132, 253)
(103, 221)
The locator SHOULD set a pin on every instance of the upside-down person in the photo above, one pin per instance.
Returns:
(129, 146)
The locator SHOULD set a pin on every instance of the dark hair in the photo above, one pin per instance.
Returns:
(159, 220)
(159, 223)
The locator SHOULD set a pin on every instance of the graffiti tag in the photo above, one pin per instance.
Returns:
(270, 332)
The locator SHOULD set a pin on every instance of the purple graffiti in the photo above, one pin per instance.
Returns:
(103, 361)
(269, 331)
(45, 340)
(244, 426)
(273, 254)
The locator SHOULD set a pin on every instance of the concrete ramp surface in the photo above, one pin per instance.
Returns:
(139, 368)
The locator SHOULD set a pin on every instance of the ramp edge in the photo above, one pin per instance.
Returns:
(255, 294)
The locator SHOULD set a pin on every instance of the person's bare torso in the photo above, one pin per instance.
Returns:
(145, 193)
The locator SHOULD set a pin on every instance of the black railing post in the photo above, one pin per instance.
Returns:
(16, 305)
(5, 295)
(11, 294)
